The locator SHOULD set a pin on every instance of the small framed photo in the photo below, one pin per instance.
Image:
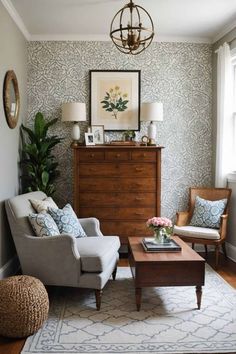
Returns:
(89, 139)
(98, 132)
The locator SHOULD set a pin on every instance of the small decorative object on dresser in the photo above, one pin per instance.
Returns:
(89, 139)
(120, 185)
(98, 131)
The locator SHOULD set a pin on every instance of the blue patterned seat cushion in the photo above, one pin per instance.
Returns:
(207, 213)
(43, 225)
(67, 221)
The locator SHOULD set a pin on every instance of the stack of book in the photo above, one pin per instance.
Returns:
(150, 245)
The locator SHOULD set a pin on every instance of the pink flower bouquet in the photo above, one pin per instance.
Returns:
(160, 224)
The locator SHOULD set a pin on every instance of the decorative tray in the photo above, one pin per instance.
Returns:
(121, 142)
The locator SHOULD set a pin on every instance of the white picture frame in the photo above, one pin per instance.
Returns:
(98, 132)
(89, 139)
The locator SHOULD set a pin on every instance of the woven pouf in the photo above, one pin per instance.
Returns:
(23, 306)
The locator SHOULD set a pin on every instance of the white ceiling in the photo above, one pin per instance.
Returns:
(174, 20)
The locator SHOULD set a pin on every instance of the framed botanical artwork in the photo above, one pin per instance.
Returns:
(98, 132)
(115, 99)
(89, 139)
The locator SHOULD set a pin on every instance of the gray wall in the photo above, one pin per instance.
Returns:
(13, 56)
(178, 74)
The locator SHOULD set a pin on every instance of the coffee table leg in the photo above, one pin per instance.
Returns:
(138, 294)
(199, 296)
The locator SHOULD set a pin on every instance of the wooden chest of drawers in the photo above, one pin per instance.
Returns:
(121, 186)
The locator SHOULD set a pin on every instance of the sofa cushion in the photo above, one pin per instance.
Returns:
(97, 252)
(43, 225)
(41, 206)
(198, 232)
(67, 221)
(207, 213)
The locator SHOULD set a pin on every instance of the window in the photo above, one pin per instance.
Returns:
(233, 52)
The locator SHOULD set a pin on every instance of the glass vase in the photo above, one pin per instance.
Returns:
(158, 236)
(161, 236)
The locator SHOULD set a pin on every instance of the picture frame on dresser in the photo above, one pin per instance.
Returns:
(89, 139)
(115, 99)
(98, 131)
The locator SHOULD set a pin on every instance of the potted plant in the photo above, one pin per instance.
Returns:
(129, 135)
(38, 164)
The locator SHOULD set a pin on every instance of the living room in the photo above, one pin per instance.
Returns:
(59, 51)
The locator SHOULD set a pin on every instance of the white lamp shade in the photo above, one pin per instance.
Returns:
(152, 112)
(73, 112)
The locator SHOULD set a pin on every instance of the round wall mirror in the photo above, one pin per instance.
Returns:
(11, 98)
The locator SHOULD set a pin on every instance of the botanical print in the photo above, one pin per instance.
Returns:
(115, 101)
(115, 108)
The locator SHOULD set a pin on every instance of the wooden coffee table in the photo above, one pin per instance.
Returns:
(185, 268)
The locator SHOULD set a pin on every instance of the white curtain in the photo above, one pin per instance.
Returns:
(224, 116)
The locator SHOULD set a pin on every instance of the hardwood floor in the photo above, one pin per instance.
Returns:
(227, 269)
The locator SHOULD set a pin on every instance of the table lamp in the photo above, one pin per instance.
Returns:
(152, 112)
(74, 112)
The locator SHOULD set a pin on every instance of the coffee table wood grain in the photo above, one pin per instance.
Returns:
(184, 268)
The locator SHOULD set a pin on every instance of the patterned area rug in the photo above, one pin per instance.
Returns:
(168, 321)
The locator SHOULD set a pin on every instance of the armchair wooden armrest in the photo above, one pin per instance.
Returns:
(182, 218)
(223, 226)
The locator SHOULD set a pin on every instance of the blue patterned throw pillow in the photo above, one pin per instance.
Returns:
(207, 213)
(43, 225)
(67, 221)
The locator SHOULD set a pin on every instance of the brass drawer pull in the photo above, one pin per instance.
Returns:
(139, 198)
(138, 169)
(138, 214)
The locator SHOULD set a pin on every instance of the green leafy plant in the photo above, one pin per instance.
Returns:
(38, 164)
(129, 135)
(114, 101)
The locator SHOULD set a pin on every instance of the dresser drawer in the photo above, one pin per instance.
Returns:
(117, 184)
(118, 213)
(143, 155)
(91, 156)
(117, 199)
(118, 170)
(125, 228)
(117, 155)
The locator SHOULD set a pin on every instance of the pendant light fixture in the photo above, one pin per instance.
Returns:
(132, 29)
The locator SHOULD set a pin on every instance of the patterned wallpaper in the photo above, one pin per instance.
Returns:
(177, 74)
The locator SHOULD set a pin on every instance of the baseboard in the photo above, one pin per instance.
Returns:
(231, 251)
(10, 268)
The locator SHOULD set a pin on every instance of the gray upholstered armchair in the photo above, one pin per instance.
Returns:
(63, 260)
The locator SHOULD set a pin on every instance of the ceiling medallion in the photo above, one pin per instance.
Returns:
(132, 29)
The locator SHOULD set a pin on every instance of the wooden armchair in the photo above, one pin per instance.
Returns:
(202, 235)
